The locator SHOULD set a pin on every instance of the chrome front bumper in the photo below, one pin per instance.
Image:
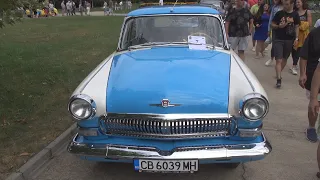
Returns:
(218, 153)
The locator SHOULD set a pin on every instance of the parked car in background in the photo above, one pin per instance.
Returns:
(172, 96)
(216, 4)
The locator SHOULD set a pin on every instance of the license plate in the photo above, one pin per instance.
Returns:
(166, 165)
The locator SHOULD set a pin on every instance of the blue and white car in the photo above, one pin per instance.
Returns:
(172, 96)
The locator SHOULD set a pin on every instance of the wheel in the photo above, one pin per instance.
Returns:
(231, 165)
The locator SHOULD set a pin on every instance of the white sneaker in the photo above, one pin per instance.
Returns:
(269, 62)
(266, 49)
(294, 71)
(253, 49)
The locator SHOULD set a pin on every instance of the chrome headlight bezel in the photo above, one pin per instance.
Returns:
(86, 99)
(249, 97)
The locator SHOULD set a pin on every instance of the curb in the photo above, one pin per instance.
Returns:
(25, 171)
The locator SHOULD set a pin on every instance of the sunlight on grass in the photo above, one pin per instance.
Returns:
(41, 62)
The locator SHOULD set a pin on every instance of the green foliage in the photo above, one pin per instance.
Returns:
(12, 10)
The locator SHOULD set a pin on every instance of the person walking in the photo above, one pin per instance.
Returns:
(237, 28)
(81, 8)
(160, 2)
(85, 7)
(314, 106)
(252, 2)
(51, 7)
(110, 7)
(88, 6)
(286, 28)
(305, 23)
(309, 56)
(105, 8)
(254, 10)
(69, 8)
(63, 7)
(73, 8)
(261, 22)
(277, 6)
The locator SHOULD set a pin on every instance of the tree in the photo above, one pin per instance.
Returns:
(12, 10)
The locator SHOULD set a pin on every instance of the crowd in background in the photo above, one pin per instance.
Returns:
(45, 9)
(69, 7)
(288, 26)
(255, 18)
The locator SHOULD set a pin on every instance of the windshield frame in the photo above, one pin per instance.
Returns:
(218, 16)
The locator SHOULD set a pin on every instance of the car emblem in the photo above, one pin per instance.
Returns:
(165, 103)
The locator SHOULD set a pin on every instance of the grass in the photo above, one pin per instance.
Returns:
(42, 62)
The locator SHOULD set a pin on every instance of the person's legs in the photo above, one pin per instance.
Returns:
(257, 49)
(241, 54)
(234, 41)
(260, 46)
(243, 45)
(318, 159)
(278, 52)
(295, 59)
(286, 47)
(287, 50)
(269, 62)
(311, 131)
(263, 46)
(253, 41)
(88, 11)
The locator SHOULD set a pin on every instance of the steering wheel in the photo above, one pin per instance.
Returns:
(202, 34)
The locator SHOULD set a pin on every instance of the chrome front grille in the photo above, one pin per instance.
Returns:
(162, 127)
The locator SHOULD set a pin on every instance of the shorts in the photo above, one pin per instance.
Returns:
(240, 43)
(282, 48)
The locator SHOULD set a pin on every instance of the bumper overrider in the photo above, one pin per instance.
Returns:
(215, 153)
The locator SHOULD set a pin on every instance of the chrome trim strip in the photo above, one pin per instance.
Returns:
(167, 116)
(250, 132)
(216, 152)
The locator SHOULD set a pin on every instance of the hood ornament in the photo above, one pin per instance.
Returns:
(165, 103)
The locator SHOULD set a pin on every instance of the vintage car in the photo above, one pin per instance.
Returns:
(172, 96)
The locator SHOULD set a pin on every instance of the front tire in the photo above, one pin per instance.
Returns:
(231, 165)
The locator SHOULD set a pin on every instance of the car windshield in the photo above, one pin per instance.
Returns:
(171, 29)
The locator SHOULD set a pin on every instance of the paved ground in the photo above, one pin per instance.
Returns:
(293, 157)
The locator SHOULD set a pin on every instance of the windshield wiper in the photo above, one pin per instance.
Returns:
(188, 43)
(149, 44)
(146, 45)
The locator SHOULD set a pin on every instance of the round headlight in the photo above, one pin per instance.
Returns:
(81, 107)
(255, 108)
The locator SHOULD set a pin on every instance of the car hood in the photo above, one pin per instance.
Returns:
(197, 81)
